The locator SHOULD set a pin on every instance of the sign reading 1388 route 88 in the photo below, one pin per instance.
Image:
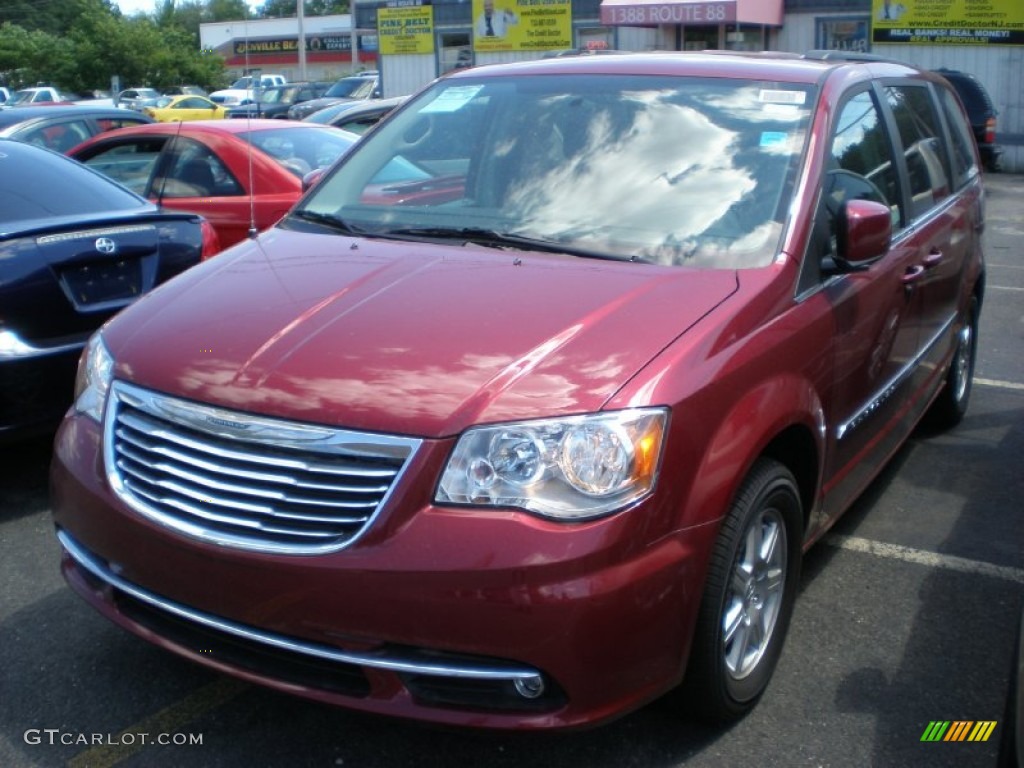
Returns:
(639, 12)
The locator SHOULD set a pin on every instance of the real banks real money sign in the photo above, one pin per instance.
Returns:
(948, 22)
(522, 25)
(406, 30)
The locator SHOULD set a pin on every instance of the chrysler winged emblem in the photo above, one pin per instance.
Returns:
(106, 245)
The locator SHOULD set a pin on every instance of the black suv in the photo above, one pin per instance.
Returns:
(981, 112)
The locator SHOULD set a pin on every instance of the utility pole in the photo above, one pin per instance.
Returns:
(300, 7)
(354, 36)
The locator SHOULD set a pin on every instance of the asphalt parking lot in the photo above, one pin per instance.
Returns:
(907, 617)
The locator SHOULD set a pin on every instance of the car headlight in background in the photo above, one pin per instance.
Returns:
(568, 468)
(95, 372)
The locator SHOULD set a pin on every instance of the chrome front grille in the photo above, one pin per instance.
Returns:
(247, 481)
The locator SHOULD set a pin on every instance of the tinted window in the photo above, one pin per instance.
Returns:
(131, 163)
(920, 132)
(348, 87)
(40, 173)
(58, 136)
(860, 148)
(965, 165)
(198, 172)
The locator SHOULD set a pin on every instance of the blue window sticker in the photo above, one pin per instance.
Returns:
(773, 138)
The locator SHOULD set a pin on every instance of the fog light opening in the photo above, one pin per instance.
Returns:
(530, 687)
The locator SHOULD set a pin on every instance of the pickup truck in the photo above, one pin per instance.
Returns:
(242, 91)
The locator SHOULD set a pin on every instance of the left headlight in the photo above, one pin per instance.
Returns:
(95, 372)
(570, 468)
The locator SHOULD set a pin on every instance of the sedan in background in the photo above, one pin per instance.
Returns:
(183, 90)
(179, 109)
(68, 262)
(137, 98)
(242, 175)
(356, 116)
(62, 127)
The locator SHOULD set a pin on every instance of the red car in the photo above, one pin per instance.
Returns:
(240, 175)
(525, 414)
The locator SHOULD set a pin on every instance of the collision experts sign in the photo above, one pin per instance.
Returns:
(406, 30)
(948, 22)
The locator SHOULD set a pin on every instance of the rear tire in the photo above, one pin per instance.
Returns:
(748, 597)
(950, 406)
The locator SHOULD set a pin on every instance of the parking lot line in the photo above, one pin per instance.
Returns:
(925, 558)
(999, 384)
(168, 721)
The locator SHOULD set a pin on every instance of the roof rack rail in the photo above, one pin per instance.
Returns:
(830, 55)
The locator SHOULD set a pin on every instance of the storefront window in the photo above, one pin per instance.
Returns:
(848, 33)
(454, 51)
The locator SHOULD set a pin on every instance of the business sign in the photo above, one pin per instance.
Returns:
(406, 30)
(648, 13)
(522, 25)
(948, 22)
(314, 44)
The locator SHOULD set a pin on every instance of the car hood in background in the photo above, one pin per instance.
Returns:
(408, 338)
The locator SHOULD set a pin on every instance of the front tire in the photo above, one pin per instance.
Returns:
(748, 597)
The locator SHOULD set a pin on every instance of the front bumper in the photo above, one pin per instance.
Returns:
(486, 619)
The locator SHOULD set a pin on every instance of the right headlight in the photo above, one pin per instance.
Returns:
(95, 372)
(571, 468)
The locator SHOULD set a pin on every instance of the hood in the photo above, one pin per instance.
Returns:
(407, 338)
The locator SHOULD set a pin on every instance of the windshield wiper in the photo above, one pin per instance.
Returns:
(329, 220)
(497, 239)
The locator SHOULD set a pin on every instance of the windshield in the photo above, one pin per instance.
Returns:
(663, 169)
(346, 87)
(302, 150)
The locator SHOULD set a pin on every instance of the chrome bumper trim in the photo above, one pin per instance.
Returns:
(521, 676)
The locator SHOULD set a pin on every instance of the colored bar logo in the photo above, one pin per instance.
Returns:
(959, 730)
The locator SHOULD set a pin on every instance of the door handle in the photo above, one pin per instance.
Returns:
(933, 259)
(912, 275)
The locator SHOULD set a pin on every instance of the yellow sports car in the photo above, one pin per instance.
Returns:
(175, 109)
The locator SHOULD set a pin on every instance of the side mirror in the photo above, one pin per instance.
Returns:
(863, 233)
(311, 178)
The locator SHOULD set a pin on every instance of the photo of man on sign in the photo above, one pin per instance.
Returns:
(493, 22)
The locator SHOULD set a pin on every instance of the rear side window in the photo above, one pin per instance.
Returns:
(920, 133)
(131, 163)
(965, 163)
(60, 137)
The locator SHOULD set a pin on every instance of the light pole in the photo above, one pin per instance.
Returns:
(300, 7)
(354, 41)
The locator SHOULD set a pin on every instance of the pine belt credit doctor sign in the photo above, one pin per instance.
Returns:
(407, 29)
(522, 25)
(948, 22)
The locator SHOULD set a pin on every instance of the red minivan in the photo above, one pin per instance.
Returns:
(527, 411)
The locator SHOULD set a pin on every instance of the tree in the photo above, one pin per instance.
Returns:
(272, 9)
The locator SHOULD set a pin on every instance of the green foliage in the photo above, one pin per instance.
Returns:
(79, 45)
(273, 9)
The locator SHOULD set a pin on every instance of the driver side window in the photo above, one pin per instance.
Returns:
(861, 162)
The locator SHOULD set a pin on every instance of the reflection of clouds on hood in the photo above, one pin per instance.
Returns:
(656, 205)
